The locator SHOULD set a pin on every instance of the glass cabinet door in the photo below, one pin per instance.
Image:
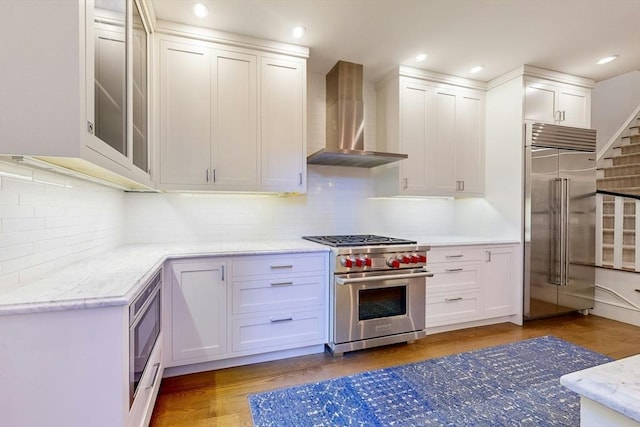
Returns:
(110, 73)
(139, 84)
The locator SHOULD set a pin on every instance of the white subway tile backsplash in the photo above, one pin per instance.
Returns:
(48, 221)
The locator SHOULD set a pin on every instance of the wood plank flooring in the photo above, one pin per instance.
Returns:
(219, 398)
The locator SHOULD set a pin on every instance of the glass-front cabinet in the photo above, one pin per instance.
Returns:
(117, 39)
(75, 93)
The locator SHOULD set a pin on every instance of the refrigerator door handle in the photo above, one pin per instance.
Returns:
(566, 204)
(557, 246)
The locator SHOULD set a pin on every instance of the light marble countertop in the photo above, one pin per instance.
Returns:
(615, 385)
(116, 277)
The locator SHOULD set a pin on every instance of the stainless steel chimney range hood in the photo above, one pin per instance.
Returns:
(345, 122)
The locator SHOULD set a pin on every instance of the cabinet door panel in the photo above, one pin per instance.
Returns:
(576, 106)
(282, 125)
(499, 282)
(414, 136)
(185, 99)
(443, 153)
(199, 311)
(540, 103)
(235, 139)
(469, 143)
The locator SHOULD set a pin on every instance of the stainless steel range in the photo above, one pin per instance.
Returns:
(378, 292)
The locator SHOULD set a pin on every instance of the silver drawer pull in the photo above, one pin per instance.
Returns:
(283, 319)
(279, 267)
(281, 283)
(155, 375)
(453, 299)
(453, 256)
(454, 269)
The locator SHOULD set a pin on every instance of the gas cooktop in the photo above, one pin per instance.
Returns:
(347, 240)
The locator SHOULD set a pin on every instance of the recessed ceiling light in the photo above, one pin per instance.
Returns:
(200, 10)
(299, 31)
(476, 69)
(421, 57)
(607, 59)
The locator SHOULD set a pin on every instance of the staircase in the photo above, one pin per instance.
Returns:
(618, 200)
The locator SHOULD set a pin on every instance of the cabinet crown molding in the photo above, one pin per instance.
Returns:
(230, 39)
(432, 76)
(536, 72)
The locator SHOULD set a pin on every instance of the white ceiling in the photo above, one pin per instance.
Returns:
(561, 35)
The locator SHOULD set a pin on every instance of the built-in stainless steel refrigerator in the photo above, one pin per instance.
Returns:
(559, 234)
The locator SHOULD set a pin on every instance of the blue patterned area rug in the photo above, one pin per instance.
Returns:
(508, 385)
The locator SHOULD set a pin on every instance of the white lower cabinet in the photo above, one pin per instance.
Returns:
(198, 311)
(471, 283)
(225, 308)
(500, 273)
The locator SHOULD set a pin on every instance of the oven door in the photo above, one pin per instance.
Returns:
(378, 304)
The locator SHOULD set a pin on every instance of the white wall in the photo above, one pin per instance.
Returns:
(48, 221)
(611, 103)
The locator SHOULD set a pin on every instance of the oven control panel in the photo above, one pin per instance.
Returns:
(384, 261)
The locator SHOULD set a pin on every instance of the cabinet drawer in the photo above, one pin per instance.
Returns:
(140, 412)
(279, 330)
(278, 293)
(256, 266)
(454, 277)
(453, 254)
(448, 308)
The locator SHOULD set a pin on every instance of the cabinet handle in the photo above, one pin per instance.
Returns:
(564, 116)
(222, 273)
(155, 375)
(282, 319)
(90, 127)
(207, 175)
(453, 299)
(488, 255)
(280, 267)
(406, 183)
(454, 269)
(453, 256)
(461, 185)
(281, 283)
(214, 175)
(300, 178)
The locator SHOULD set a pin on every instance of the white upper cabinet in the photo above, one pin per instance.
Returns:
(208, 136)
(282, 124)
(440, 127)
(557, 103)
(77, 110)
(230, 118)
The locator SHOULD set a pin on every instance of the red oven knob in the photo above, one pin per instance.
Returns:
(359, 262)
(393, 263)
(346, 262)
(367, 262)
(422, 258)
(414, 259)
(405, 259)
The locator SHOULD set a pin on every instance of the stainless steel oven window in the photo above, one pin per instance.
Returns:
(144, 330)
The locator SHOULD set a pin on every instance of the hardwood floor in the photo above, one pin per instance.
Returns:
(219, 398)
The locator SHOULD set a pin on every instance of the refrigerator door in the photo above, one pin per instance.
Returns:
(577, 169)
(543, 245)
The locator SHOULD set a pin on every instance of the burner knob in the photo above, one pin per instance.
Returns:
(405, 259)
(414, 259)
(359, 262)
(367, 262)
(422, 258)
(393, 262)
(346, 262)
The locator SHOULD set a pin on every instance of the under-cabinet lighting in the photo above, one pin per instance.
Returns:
(415, 198)
(476, 69)
(607, 59)
(200, 10)
(421, 57)
(299, 31)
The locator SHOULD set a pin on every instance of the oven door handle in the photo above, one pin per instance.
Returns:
(346, 281)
